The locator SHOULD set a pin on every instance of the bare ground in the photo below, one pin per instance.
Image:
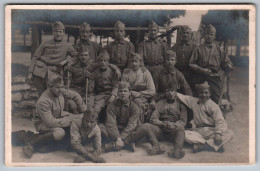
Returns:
(236, 151)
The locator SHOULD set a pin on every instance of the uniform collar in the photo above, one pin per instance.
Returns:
(210, 45)
(84, 42)
(186, 43)
(170, 71)
(155, 40)
(50, 94)
(119, 42)
(121, 103)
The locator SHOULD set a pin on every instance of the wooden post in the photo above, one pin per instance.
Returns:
(35, 39)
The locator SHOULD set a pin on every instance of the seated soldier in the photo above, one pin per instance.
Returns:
(83, 131)
(80, 72)
(122, 119)
(167, 122)
(141, 83)
(104, 84)
(211, 128)
(50, 120)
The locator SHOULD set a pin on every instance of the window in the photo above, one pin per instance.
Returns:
(244, 51)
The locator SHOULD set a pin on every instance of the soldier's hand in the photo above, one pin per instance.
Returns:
(119, 144)
(135, 94)
(67, 67)
(206, 71)
(152, 104)
(87, 74)
(218, 139)
(29, 78)
(111, 99)
(170, 126)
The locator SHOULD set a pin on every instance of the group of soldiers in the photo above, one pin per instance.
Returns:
(115, 96)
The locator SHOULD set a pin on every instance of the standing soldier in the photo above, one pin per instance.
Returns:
(120, 50)
(153, 50)
(184, 50)
(50, 118)
(209, 63)
(85, 34)
(142, 85)
(51, 56)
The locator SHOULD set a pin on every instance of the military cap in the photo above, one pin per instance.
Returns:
(103, 55)
(90, 114)
(58, 26)
(119, 25)
(202, 86)
(185, 28)
(210, 29)
(84, 26)
(136, 56)
(152, 24)
(123, 85)
(83, 49)
(54, 79)
(170, 54)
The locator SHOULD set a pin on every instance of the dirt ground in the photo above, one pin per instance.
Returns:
(236, 151)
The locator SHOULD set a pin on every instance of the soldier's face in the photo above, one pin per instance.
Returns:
(84, 58)
(186, 35)
(103, 63)
(89, 123)
(170, 94)
(58, 34)
(170, 62)
(135, 64)
(123, 94)
(204, 95)
(153, 32)
(119, 34)
(85, 35)
(210, 37)
(56, 89)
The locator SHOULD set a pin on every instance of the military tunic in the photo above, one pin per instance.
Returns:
(93, 47)
(153, 53)
(50, 56)
(120, 52)
(210, 57)
(80, 137)
(208, 119)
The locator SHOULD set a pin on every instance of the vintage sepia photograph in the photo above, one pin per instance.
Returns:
(129, 85)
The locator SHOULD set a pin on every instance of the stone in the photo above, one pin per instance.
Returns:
(16, 97)
(28, 95)
(25, 113)
(18, 79)
(21, 87)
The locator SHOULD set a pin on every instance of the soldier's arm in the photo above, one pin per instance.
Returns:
(183, 116)
(44, 110)
(111, 123)
(185, 88)
(142, 52)
(220, 122)
(38, 53)
(156, 115)
(72, 51)
(72, 95)
(226, 63)
(187, 100)
(115, 83)
(116, 70)
(150, 91)
(97, 140)
(193, 62)
(132, 121)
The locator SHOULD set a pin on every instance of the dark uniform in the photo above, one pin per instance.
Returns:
(93, 47)
(184, 50)
(210, 57)
(153, 51)
(120, 50)
(51, 56)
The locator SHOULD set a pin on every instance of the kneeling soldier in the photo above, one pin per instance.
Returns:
(50, 119)
(211, 128)
(83, 131)
(167, 122)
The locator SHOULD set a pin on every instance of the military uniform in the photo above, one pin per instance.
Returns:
(166, 78)
(120, 50)
(141, 82)
(49, 57)
(184, 52)
(153, 52)
(93, 47)
(210, 56)
(209, 121)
